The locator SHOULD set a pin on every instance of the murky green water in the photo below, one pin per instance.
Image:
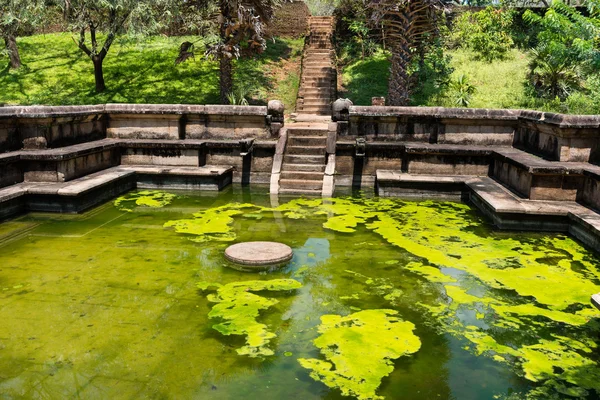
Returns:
(107, 304)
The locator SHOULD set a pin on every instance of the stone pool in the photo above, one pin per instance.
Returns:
(383, 298)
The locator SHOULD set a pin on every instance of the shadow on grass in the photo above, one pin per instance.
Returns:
(366, 79)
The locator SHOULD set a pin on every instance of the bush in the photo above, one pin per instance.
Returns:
(486, 32)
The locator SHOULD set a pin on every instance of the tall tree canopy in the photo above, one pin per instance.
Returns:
(16, 15)
(410, 26)
(99, 22)
(240, 25)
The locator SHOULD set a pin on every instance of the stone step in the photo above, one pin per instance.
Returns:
(303, 175)
(316, 100)
(318, 68)
(296, 192)
(316, 93)
(306, 150)
(300, 184)
(316, 109)
(295, 132)
(307, 140)
(322, 80)
(304, 168)
(303, 159)
(318, 64)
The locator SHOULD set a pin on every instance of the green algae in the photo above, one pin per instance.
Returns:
(359, 349)
(211, 224)
(239, 308)
(144, 198)
(444, 237)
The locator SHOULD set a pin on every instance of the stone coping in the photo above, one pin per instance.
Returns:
(158, 109)
(537, 165)
(78, 150)
(560, 120)
(89, 182)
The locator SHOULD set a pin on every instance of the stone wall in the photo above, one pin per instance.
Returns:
(39, 127)
(433, 125)
(553, 136)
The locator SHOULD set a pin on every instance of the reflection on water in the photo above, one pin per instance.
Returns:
(105, 305)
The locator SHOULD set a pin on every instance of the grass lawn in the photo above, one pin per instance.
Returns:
(56, 72)
(499, 84)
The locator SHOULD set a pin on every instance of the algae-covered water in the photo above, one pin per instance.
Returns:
(384, 298)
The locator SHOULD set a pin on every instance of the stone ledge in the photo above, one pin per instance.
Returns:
(121, 108)
(123, 178)
(434, 112)
(596, 300)
(559, 120)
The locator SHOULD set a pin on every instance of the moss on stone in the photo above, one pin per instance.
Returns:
(240, 308)
(359, 350)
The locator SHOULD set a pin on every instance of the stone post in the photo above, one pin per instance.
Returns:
(341, 115)
(275, 116)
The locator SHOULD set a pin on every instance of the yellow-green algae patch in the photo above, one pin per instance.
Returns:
(144, 198)
(359, 349)
(521, 288)
(239, 308)
(211, 224)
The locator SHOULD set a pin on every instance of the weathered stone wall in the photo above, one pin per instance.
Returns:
(559, 137)
(591, 191)
(42, 127)
(552, 136)
(433, 125)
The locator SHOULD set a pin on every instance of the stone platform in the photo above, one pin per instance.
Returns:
(259, 255)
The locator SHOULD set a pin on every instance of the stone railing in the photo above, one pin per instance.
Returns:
(38, 127)
(553, 136)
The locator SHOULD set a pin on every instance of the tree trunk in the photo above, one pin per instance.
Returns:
(225, 78)
(13, 51)
(98, 73)
(399, 85)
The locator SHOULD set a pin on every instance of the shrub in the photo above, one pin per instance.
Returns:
(486, 32)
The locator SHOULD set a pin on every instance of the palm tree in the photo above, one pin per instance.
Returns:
(410, 25)
(241, 26)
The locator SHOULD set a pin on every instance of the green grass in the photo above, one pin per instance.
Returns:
(500, 84)
(56, 72)
(366, 78)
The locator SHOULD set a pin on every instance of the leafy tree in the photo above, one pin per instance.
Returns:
(99, 22)
(16, 15)
(410, 26)
(568, 48)
(241, 31)
(486, 32)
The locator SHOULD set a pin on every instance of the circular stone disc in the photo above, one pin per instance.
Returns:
(259, 253)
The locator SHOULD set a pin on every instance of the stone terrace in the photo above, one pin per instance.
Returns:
(523, 169)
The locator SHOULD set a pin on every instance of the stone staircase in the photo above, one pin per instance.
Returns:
(304, 161)
(319, 79)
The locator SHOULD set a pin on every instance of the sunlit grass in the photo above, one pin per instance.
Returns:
(56, 72)
(500, 84)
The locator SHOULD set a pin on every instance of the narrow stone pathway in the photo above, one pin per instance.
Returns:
(304, 161)
(319, 82)
(303, 157)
